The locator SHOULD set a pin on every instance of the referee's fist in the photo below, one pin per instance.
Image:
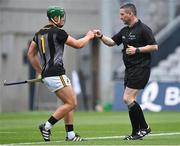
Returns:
(130, 50)
(97, 33)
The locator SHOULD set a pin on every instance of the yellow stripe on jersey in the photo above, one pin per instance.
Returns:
(62, 80)
(43, 44)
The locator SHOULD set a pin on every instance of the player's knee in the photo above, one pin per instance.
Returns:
(72, 105)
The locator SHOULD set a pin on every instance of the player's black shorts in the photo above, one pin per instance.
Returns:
(136, 77)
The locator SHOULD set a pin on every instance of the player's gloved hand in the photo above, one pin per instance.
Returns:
(39, 76)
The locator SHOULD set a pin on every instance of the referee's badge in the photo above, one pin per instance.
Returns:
(132, 37)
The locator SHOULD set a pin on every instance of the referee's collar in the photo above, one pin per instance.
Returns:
(135, 24)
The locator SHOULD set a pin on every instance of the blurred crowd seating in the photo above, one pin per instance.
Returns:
(168, 69)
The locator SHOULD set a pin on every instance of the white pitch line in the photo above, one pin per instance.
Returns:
(162, 134)
(106, 137)
(114, 137)
(90, 138)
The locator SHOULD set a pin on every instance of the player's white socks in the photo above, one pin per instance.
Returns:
(71, 134)
(48, 125)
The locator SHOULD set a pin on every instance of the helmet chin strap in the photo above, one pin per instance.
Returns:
(56, 23)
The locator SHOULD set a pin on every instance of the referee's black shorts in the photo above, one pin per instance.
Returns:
(136, 77)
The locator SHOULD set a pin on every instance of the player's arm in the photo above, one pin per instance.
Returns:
(106, 40)
(79, 43)
(33, 58)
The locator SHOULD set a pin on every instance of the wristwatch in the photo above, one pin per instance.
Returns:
(137, 50)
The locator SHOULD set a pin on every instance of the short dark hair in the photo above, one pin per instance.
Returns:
(130, 6)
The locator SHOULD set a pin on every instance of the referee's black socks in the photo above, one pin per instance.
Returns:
(133, 118)
(142, 121)
(136, 117)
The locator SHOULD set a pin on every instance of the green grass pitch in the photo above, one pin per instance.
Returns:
(102, 128)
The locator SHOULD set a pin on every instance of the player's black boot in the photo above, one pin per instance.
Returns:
(76, 138)
(45, 133)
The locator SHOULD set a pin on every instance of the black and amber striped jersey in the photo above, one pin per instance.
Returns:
(50, 42)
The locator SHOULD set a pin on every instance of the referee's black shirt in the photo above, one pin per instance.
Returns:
(138, 35)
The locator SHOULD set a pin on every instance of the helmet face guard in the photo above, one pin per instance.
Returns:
(53, 11)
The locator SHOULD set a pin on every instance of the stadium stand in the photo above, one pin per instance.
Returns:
(168, 70)
(167, 40)
(166, 62)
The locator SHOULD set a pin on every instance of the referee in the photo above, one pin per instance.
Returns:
(138, 43)
(49, 43)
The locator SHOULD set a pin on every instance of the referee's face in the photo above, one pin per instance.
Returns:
(125, 16)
